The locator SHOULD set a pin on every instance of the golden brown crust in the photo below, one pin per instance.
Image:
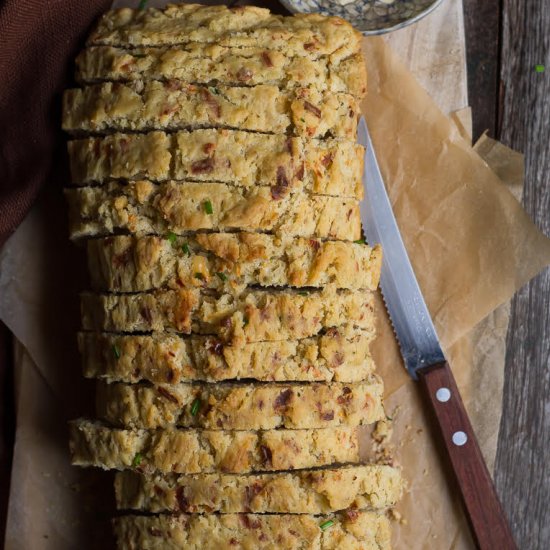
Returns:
(229, 261)
(254, 316)
(241, 406)
(201, 451)
(349, 530)
(369, 486)
(145, 106)
(310, 35)
(243, 159)
(142, 207)
(339, 355)
(212, 64)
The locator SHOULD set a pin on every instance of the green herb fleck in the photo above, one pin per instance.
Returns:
(141, 5)
(116, 351)
(172, 237)
(137, 460)
(540, 68)
(213, 90)
(208, 207)
(186, 249)
(199, 276)
(221, 275)
(245, 320)
(302, 119)
(302, 293)
(326, 524)
(359, 241)
(195, 406)
(138, 55)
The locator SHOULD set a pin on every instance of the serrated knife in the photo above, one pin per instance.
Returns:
(426, 362)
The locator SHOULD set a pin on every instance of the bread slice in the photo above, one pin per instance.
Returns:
(254, 316)
(369, 486)
(350, 530)
(179, 207)
(174, 105)
(229, 261)
(339, 355)
(202, 451)
(211, 65)
(233, 406)
(311, 35)
(243, 159)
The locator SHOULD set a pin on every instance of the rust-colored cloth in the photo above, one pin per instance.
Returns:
(38, 42)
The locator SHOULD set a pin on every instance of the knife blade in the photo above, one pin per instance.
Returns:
(425, 361)
(409, 314)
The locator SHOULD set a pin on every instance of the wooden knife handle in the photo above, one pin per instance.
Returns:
(483, 509)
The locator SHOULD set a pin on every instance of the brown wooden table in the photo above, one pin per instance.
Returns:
(506, 39)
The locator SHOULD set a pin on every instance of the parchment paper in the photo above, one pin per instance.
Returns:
(471, 246)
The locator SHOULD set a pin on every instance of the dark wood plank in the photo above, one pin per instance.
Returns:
(482, 29)
(523, 458)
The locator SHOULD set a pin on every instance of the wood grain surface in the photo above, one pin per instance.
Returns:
(482, 20)
(522, 471)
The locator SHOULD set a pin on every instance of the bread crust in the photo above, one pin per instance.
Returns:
(370, 486)
(142, 208)
(229, 261)
(340, 355)
(350, 530)
(242, 159)
(241, 406)
(143, 106)
(254, 316)
(212, 64)
(310, 35)
(191, 451)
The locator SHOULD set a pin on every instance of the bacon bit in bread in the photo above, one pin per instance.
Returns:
(183, 503)
(214, 346)
(267, 455)
(283, 399)
(208, 148)
(281, 189)
(300, 172)
(267, 59)
(345, 397)
(312, 109)
(203, 166)
(208, 98)
(326, 161)
(250, 523)
(314, 244)
(165, 393)
(146, 314)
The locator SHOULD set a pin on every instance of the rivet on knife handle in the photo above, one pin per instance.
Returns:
(483, 509)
